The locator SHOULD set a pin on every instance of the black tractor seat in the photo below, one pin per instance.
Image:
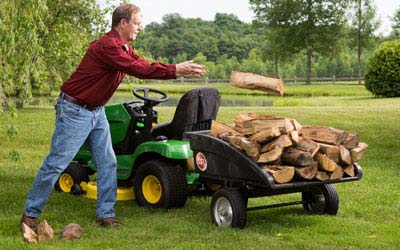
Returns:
(195, 111)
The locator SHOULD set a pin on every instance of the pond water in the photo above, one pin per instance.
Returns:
(226, 100)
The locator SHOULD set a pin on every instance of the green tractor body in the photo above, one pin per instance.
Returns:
(151, 158)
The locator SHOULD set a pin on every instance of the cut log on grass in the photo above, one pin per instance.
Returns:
(71, 232)
(309, 146)
(270, 156)
(253, 81)
(357, 152)
(332, 151)
(295, 157)
(325, 163)
(29, 235)
(265, 135)
(345, 158)
(326, 135)
(322, 176)
(281, 174)
(349, 170)
(308, 172)
(282, 141)
(218, 128)
(45, 231)
(336, 174)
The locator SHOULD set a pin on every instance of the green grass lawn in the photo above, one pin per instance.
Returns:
(369, 210)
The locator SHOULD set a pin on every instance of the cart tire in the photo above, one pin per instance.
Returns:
(160, 184)
(228, 208)
(321, 200)
(71, 178)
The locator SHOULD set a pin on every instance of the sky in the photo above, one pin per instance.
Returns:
(154, 10)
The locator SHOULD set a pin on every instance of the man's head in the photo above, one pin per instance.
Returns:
(127, 21)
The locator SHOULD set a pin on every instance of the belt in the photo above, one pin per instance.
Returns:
(76, 101)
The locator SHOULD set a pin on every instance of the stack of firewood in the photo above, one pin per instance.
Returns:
(289, 151)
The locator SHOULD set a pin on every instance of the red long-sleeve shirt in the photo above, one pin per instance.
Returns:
(103, 67)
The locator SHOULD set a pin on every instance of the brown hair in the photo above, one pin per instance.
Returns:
(124, 11)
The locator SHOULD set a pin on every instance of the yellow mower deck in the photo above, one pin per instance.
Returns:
(90, 191)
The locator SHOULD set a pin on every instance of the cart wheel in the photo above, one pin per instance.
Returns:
(228, 208)
(69, 180)
(321, 200)
(160, 184)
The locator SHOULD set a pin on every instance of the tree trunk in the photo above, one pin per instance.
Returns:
(309, 57)
(359, 42)
(3, 98)
(276, 63)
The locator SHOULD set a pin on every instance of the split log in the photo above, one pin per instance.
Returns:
(358, 152)
(333, 152)
(336, 174)
(326, 135)
(294, 136)
(351, 141)
(282, 141)
(325, 163)
(309, 146)
(322, 176)
(281, 174)
(45, 231)
(218, 128)
(251, 148)
(292, 156)
(265, 135)
(308, 172)
(253, 81)
(250, 127)
(349, 170)
(296, 124)
(270, 156)
(29, 235)
(345, 158)
(244, 117)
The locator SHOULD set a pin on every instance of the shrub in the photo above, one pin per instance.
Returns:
(382, 75)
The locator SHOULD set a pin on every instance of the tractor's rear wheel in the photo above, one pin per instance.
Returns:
(71, 178)
(160, 184)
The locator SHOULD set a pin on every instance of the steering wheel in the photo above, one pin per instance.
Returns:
(145, 96)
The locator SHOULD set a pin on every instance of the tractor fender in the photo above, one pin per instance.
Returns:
(172, 149)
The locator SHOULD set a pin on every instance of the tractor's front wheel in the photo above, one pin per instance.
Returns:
(160, 184)
(71, 178)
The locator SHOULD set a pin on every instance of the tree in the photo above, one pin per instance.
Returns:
(42, 41)
(363, 28)
(310, 25)
(396, 24)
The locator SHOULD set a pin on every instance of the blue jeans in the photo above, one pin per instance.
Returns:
(74, 127)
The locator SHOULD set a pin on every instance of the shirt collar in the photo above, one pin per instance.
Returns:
(113, 33)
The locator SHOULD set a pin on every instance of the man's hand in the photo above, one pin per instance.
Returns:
(189, 69)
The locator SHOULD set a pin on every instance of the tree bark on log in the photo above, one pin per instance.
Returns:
(326, 135)
(295, 157)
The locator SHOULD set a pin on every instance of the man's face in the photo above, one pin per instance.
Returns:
(131, 29)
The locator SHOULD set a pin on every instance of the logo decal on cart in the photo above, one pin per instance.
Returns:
(201, 161)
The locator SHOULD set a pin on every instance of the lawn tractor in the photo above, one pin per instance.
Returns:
(163, 164)
(154, 164)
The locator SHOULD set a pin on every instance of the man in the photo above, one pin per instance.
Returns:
(80, 116)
